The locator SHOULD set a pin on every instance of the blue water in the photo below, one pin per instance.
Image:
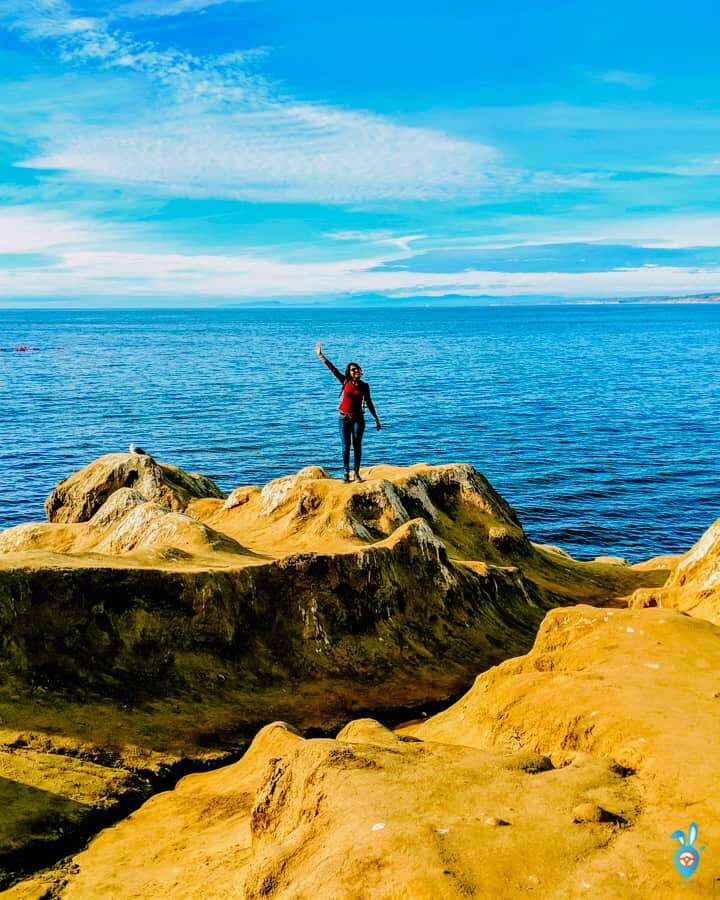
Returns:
(599, 424)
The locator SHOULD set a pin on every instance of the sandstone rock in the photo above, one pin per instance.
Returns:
(239, 496)
(126, 525)
(366, 731)
(530, 762)
(118, 504)
(310, 511)
(620, 685)
(308, 599)
(32, 537)
(398, 602)
(318, 817)
(146, 526)
(277, 493)
(612, 560)
(324, 818)
(694, 583)
(50, 792)
(590, 812)
(551, 548)
(79, 497)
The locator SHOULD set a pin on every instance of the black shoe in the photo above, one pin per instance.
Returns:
(357, 476)
(346, 478)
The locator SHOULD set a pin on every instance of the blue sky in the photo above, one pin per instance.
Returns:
(196, 151)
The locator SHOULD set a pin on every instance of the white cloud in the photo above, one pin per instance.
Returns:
(100, 260)
(700, 166)
(284, 152)
(668, 232)
(217, 128)
(99, 272)
(636, 80)
(31, 230)
(95, 41)
(147, 8)
(381, 236)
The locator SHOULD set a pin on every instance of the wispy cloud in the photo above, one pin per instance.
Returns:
(218, 128)
(148, 8)
(105, 274)
(698, 166)
(226, 78)
(381, 236)
(668, 231)
(24, 229)
(284, 152)
(47, 254)
(636, 80)
(91, 269)
(165, 122)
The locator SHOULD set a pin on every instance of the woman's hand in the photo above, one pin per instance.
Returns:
(318, 350)
(378, 426)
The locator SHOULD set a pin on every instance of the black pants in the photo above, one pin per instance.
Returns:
(351, 430)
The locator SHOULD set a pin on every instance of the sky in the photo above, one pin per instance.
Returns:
(201, 152)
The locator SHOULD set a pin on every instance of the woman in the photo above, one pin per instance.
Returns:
(354, 396)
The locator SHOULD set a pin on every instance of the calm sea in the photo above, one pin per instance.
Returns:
(599, 424)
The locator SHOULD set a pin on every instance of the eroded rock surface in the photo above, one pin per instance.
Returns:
(77, 498)
(694, 582)
(560, 774)
(154, 613)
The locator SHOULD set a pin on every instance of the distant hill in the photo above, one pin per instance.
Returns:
(687, 298)
(463, 300)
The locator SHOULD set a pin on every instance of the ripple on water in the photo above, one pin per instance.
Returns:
(596, 423)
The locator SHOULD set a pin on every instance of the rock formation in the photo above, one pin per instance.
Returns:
(694, 582)
(77, 498)
(303, 578)
(559, 774)
(153, 620)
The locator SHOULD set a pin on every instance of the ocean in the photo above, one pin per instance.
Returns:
(598, 423)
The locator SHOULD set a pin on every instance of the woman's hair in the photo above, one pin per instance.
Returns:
(348, 367)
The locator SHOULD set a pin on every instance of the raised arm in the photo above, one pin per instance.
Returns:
(336, 372)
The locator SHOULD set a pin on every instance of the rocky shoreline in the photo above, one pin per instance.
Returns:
(154, 623)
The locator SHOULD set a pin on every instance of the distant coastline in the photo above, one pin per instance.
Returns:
(689, 298)
(377, 301)
(455, 301)
(355, 301)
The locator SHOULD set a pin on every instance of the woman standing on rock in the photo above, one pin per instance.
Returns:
(354, 397)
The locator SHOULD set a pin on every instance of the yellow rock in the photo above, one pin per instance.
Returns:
(473, 808)
(78, 497)
(155, 619)
(694, 583)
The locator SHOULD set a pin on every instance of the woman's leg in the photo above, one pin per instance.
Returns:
(345, 425)
(357, 434)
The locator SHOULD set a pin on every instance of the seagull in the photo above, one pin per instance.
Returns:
(133, 448)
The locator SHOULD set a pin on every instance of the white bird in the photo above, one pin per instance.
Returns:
(133, 448)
